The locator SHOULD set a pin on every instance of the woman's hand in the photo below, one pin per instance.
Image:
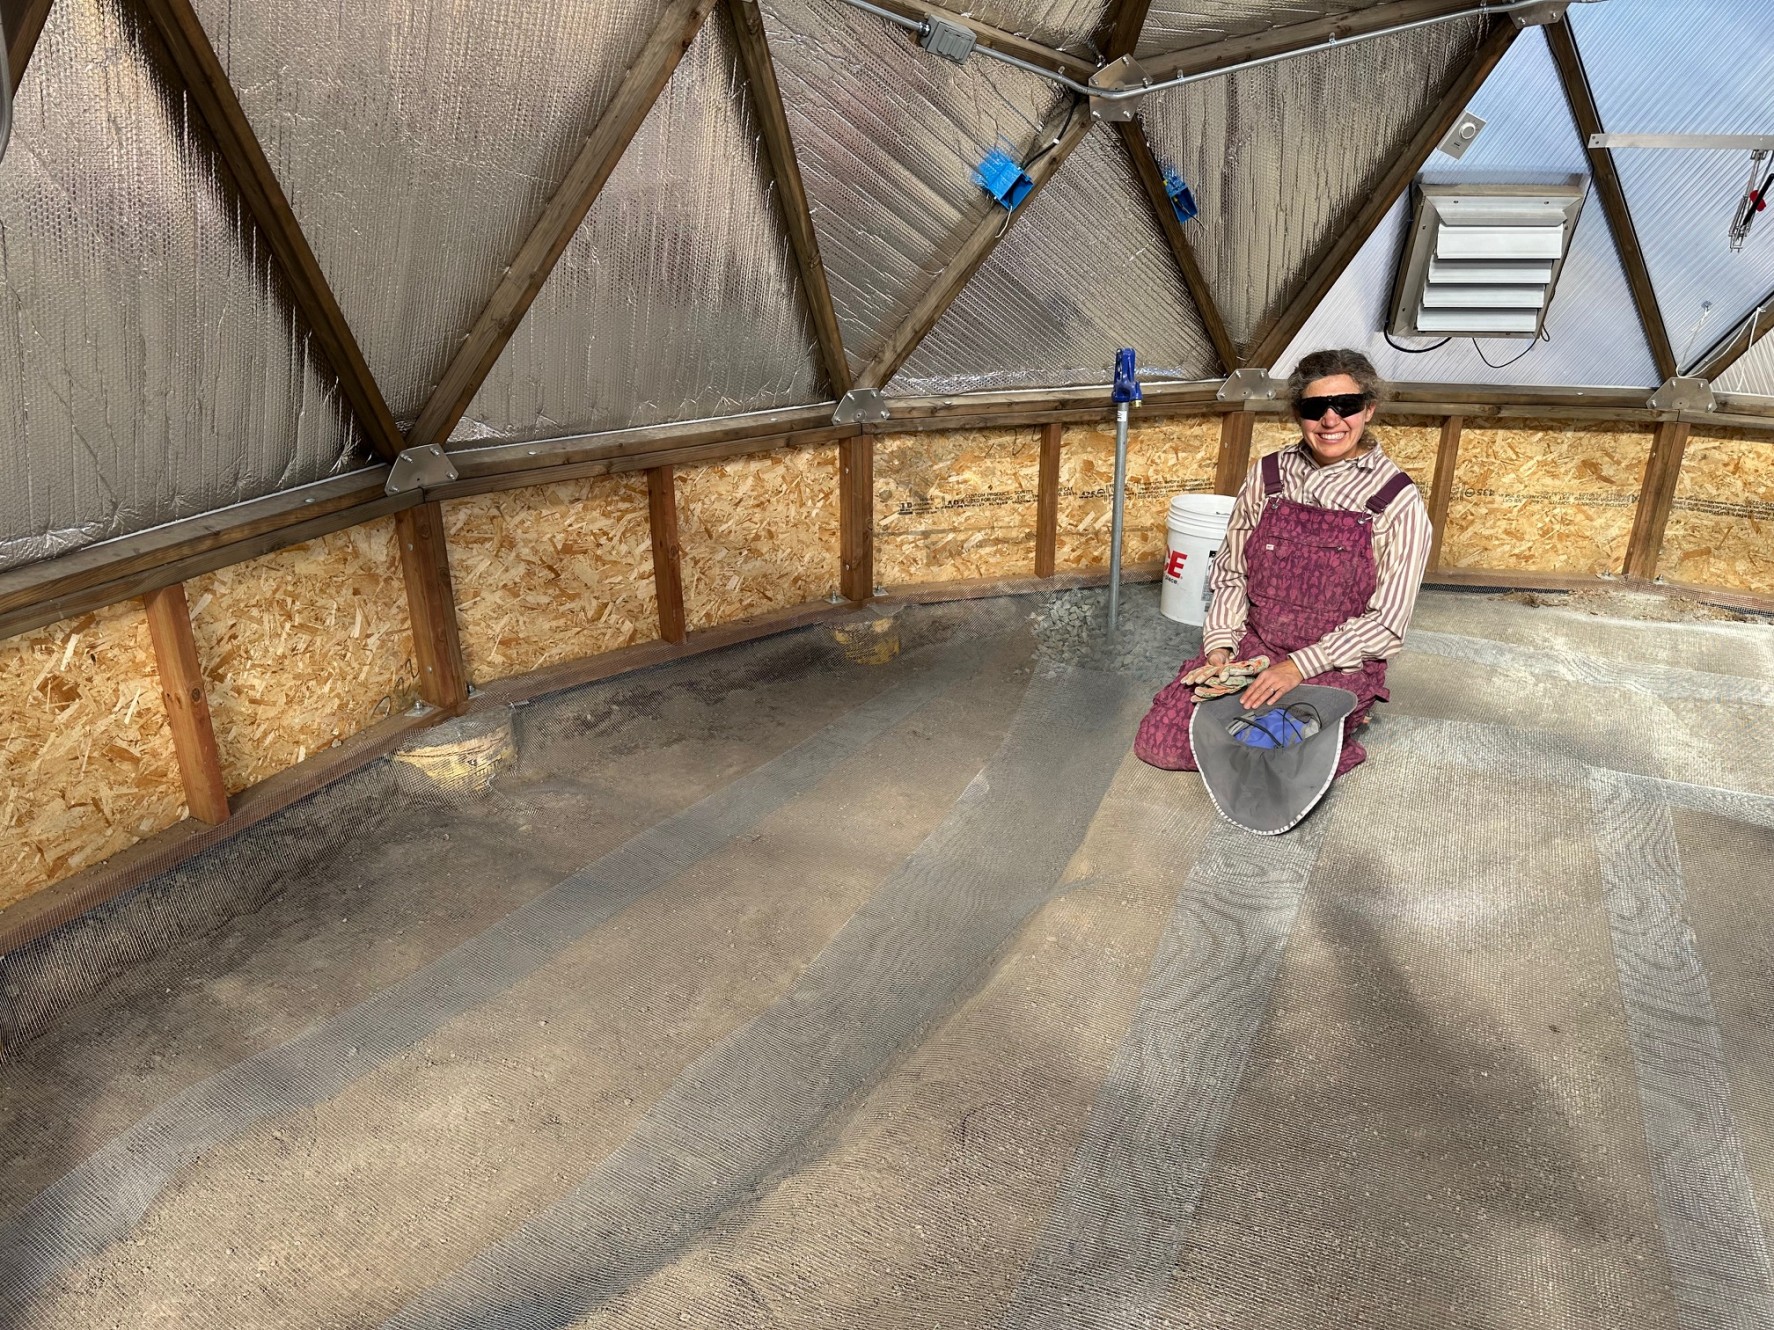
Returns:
(1272, 684)
(1215, 658)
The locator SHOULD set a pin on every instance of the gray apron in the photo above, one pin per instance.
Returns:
(1269, 790)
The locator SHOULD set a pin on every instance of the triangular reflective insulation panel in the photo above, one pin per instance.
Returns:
(418, 142)
(677, 298)
(1086, 271)
(889, 139)
(156, 368)
(1280, 157)
(1592, 329)
(1066, 25)
(1175, 25)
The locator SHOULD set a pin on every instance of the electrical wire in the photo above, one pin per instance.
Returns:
(1545, 336)
(1415, 350)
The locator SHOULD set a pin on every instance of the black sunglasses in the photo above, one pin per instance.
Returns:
(1344, 404)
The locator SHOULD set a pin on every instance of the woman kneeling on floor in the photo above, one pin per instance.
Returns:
(1319, 570)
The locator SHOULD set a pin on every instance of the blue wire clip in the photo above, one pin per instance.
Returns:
(1127, 384)
(1003, 179)
(1182, 200)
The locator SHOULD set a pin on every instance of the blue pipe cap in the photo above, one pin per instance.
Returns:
(1127, 384)
(1003, 179)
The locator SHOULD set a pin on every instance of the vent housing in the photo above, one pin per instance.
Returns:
(1482, 258)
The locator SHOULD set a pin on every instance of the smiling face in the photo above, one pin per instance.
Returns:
(1335, 437)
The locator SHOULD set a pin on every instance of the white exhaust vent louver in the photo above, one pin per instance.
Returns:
(1482, 259)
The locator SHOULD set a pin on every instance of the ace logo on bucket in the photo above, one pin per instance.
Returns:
(1197, 526)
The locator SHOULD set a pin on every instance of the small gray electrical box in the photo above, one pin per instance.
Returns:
(952, 41)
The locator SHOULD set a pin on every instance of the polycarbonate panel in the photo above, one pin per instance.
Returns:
(1697, 68)
(418, 141)
(1753, 373)
(677, 298)
(888, 137)
(1280, 157)
(1086, 271)
(1595, 334)
(152, 367)
(1065, 24)
(1172, 25)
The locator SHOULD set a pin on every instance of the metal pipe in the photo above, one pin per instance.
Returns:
(1119, 515)
(1482, 10)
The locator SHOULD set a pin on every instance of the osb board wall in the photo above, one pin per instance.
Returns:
(1165, 458)
(1410, 441)
(1270, 434)
(303, 648)
(1721, 525)
(87, 766)
(551, 573)
(955, 505)
(758, 533)
(1545, 496)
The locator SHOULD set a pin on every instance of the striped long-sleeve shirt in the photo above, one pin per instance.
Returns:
(1402, 536)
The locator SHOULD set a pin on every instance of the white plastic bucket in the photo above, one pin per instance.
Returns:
(1197, 527)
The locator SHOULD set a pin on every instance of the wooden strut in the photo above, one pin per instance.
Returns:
(431, 601)
(548, 239)
(1325, 270)
(668, 564)
(186, 698)
(1119, 32)
(1151, 177)
(219, 109)
(1233, 462)
(1644, 548)
(856, 518)
(1059, 137)
(1047, 500)
(1299, 36)
(772, 116)
(1441, 490)
(1563, 44)
(23, 25)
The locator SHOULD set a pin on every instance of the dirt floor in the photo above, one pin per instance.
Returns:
(769, 989)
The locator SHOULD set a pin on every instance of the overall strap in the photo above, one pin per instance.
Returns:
(1272, 475)
(1388, 492)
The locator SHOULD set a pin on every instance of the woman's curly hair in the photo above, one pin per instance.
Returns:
(1329, 364)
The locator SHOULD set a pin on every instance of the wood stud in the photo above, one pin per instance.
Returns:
(183, 691)
(431, 603)
(668, 562)
(1441, 489)
(1047, 500)
(856, 516)
(1229, 471)
(1644, 548)
(24, 24)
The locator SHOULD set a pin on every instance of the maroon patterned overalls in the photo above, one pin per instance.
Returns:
(1308, 570)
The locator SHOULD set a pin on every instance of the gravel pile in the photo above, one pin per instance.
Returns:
(1073, 626)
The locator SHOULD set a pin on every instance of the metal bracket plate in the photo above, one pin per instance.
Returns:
(1119, 76)
(1250, 385)
(1538, 16)
(861, 406)
(417, 468)
(1684, 394)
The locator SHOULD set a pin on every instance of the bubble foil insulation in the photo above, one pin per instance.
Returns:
(1594, 336)
(1086, 271)
(418, 141)
(1281, 156)
(153, 368)
(888, 138)
(1066, 24)
(1177, 24)
(678, 297)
